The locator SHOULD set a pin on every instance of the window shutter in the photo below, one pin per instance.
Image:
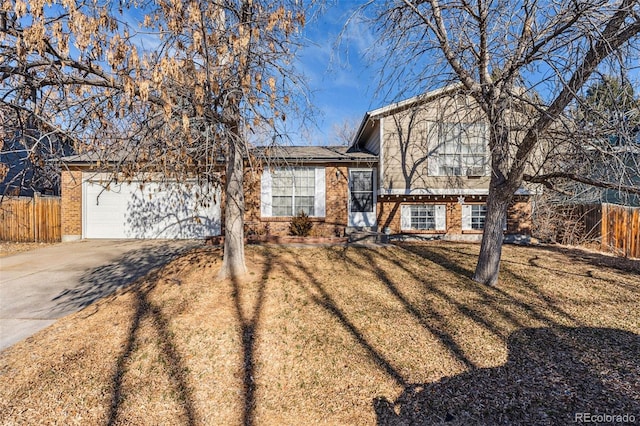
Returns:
(266, 203)
(441, 217)
(433, 161)
(320, 194)
(405, 217)
(466, 217)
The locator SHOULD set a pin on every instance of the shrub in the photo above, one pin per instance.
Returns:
(300, 225)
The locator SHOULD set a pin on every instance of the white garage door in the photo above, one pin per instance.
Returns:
(154, 211)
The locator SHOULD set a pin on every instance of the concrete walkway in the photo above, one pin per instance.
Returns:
(42, 285)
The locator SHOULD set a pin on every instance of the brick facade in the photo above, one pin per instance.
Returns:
(336, 213)
(71, 204)
(389, 214)
(388, 210)
(519, 217)
(335, 222)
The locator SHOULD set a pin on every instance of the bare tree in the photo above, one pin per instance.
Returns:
(524, 63)
(343, 133)
(174, 87)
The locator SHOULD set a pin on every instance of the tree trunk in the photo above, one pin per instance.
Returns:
(501, 190)
(488, 265)
(233, 261)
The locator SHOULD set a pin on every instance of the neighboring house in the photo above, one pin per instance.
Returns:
(25, 163)
(418, 167)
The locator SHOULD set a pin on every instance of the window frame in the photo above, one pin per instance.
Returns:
(478, 216)
(369, 205)
(271, 190)
(471, 217)
(439, 217)
(457, 149)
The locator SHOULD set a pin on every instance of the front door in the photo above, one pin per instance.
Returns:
(362, 198)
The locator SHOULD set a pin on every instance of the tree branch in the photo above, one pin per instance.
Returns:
(547, 178)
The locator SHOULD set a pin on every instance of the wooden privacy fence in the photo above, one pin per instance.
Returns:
(25, 219)
(621, 230)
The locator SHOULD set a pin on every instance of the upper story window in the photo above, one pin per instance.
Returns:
(461, 150)
(287, 191)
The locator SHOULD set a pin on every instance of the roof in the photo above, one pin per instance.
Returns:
(307, 154)
(91, 157)
(314, 154)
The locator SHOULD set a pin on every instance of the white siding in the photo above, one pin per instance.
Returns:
(373, 143)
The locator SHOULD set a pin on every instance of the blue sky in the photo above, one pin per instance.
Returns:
(342, 83)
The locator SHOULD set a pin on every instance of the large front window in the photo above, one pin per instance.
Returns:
(293, 191)
(461, 150)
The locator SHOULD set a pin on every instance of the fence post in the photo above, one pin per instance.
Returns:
(35, 216)
(604, 230)
(628, 212)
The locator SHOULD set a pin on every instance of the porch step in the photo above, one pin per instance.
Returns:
(351, 229)
(367, 237)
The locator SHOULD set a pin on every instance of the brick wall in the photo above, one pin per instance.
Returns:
(389, 214)
(336, 216)
(388, 209)
(336, 180)
(454, 218)
(71, 204)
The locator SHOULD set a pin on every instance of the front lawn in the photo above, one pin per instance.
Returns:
(342, 335)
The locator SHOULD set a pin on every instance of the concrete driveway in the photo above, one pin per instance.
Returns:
(42, 285)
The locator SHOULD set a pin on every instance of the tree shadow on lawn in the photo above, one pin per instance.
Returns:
(551, 373)
(317, 292)
(249, 325)
(150, 261)
(104, 280)
(621, 265)
(552, 376)
(449, 258)
(174, 363)
(124, 274)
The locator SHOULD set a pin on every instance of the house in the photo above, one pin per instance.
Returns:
(314, 180)
(417, 167)
(25, 163)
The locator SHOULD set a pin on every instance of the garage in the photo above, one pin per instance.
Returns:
(147, 210)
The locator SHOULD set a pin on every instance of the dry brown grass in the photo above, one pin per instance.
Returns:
(9, 247)
(342, 335)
